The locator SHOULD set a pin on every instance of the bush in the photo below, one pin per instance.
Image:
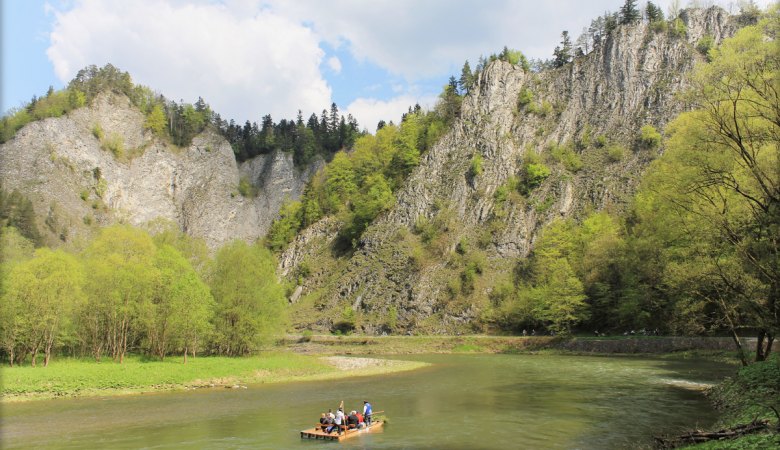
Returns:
(678, 28)
(533, 175)
(115, 144)
(525, 97)
(97, 131)
(476, 166)
(705, 44)
(615, 152)
(659, 26)
(565, 155)
(246, 189)
(649, 137)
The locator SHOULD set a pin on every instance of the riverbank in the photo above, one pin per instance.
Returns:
(87, 378)
(723, 348)
(320, 357)
(751, 396)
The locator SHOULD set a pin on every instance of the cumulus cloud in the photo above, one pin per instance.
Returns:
(369, 111)
(244, 60)
(334, 64)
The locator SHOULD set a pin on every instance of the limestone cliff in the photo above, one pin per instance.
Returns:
(97, 166)
(598, 101)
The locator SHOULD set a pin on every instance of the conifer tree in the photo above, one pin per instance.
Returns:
(562, 54)
(466, 78)
(629, 13)
(653, 13)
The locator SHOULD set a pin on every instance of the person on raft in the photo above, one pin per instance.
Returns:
(352, 420)
(339, 420)
(367, 412)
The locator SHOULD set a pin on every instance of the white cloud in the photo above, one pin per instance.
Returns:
(334, 64)
(245, 61)
(369, 111)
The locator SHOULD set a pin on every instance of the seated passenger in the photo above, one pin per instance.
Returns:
(352, 420)
(323, 422)
(361, 421)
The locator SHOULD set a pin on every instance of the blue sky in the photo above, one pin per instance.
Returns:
(248, 58)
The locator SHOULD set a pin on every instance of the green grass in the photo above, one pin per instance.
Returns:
(70, 376)
(83, 377)
(746, 397)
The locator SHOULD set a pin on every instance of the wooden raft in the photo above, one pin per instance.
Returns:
(317, 433)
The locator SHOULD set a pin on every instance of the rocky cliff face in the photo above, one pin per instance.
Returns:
(98, 166)
(597, 102)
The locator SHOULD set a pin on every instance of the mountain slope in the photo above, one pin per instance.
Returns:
(473, 206)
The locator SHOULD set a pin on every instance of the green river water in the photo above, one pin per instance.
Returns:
(460, 402)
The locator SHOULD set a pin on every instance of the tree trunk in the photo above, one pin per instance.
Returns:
(11, 355)
(734, 336)
(185, 354)
(770, 340)
(760, 346)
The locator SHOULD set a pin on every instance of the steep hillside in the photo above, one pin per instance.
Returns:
(98, 165)
(528, 147)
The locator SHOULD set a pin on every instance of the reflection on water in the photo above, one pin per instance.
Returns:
(462, 402)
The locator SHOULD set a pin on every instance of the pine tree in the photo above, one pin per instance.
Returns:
(629, 13)
(562, 54)
(466, 78)
(653, 13)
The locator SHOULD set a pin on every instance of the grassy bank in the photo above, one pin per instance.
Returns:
(83, 377)
(749, 395)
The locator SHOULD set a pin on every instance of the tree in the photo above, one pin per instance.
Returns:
(121, 264)
(41, 293)
(719, 180)
(629, 13)
(14, 249)
(181, 306)
(653, 13)
(249, 301)
(559, 299)
(466, 78)
(156, 121)
(562, 54)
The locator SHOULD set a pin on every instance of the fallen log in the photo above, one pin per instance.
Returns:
(698, 436)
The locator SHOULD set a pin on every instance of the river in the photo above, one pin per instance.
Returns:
(460, 402)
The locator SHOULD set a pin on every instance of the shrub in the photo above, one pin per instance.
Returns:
(705, 44)
(678, 28)
(649, 137)
(100, 188)
(115, 144)
(615, 153)
(565, 155)
(97, 131)
(525, 97)
(601, 141)
(84, 195)
(659, 26)
(246, 189)
(533, 175)
(476, 166)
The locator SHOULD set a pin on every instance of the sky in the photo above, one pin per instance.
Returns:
(249, 58)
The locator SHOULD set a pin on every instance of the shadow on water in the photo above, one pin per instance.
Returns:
(461, 402)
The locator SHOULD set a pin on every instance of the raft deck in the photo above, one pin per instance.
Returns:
(317, 433)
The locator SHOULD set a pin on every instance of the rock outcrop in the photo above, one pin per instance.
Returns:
(98, 165)
(596, 102)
